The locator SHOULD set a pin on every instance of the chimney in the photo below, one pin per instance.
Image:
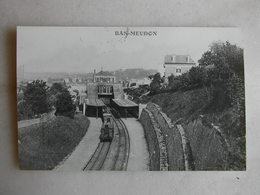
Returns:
(94, 75)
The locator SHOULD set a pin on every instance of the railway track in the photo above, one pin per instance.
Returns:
(119, 159)
(122, 156)
(98, 158)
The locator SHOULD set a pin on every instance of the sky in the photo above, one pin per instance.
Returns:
(83, 49)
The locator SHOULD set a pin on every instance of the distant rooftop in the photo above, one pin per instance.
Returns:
(56, 80)
(104, 73)
(125, 103)
(178, 59)
(95, 102)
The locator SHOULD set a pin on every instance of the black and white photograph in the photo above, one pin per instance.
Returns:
(131, 99)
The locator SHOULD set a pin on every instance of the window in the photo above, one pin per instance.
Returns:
(178, 70)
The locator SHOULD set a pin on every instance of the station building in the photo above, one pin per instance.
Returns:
(104, 91)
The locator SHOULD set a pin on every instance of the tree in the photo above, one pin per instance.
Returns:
(55, 89)
(197, 76)
(224, 55)
(156, 83)
(171, 79)
(174, 83)
(208, 58)
(227, 75)
(35, 95)
(64, 104)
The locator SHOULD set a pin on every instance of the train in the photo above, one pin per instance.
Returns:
(107, 129)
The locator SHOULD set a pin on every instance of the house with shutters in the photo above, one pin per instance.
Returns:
(177, 64)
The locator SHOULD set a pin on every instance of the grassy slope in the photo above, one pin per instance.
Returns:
(43, 147)
(188, 105)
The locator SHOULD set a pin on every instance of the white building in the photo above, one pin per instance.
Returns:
(137, 82)
(177, 64)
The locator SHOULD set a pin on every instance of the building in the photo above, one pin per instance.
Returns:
(104, 77)
(177, 64)
(135, 83)
(51, 81)
(104, 87)
(104, 91)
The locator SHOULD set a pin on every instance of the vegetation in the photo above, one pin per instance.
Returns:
(33, 101)
(220, 70)
(61, 99)
(64, 105)
(155, 86)
(214, 89)
(44, 146)
(37, 98)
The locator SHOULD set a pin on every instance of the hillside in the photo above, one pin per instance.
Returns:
(133, 73)
(43, 146)
(188, 106)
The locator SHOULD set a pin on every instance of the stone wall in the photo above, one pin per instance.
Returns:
(209, 148)
(172, 136)
(194, 145)
(151, 139)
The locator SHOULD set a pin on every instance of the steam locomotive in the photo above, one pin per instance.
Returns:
(107, 129)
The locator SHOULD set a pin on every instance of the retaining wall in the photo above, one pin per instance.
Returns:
(209, 148)
(151, 139)
(155, 141)
(195, 145)
(172, 137)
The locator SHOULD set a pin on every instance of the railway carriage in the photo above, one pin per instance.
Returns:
(107, 129)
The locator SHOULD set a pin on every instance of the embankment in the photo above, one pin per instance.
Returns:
(172, 137)
(155, 142)
(191, 145)
(44, 145)
(209, 148)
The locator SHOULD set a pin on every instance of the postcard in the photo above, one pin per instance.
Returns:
(130, 99)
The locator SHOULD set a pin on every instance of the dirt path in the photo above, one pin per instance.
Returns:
(26, 123)
(139, 156)
(87, 146)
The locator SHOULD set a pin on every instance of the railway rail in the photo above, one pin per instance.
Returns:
(98, 158)
(124, 144)
(120, 158)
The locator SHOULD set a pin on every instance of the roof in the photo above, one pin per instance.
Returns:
(124, 103)
(104, 73)
(56, 80)
(178, 59)
(95, 102)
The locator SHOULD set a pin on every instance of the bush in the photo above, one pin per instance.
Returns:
(197, 76)
(64, 104)
(35, 95)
